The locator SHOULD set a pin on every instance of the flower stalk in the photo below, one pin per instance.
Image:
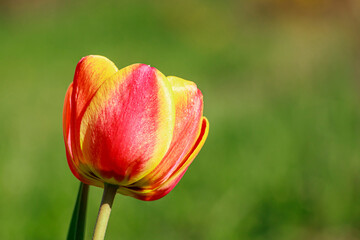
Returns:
(104, 211)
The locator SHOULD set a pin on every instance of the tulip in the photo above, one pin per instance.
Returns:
(132, 128)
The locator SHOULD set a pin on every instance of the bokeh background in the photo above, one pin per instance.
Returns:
(280, 80)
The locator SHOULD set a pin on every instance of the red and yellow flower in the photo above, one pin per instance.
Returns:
(133, 127)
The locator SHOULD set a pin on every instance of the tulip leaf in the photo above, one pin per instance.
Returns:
(77, 224)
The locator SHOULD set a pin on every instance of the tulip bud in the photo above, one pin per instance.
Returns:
(133, 127)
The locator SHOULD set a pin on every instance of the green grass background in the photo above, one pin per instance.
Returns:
(281, 92)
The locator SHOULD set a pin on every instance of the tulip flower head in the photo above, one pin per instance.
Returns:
(133, 127)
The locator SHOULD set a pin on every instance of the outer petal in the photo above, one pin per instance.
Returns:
(166, 187)
(67, 133)
(188, 108)
(128, 126)
(67, 117)
(91, 72)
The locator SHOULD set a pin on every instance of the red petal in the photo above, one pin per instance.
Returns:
(166, 187)
(189, 107)
(67, 138)
(128, 125)
(91, 72)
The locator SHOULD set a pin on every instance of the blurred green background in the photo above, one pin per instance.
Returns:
(281, 88)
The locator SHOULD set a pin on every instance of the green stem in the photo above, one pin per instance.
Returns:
(104, 211)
